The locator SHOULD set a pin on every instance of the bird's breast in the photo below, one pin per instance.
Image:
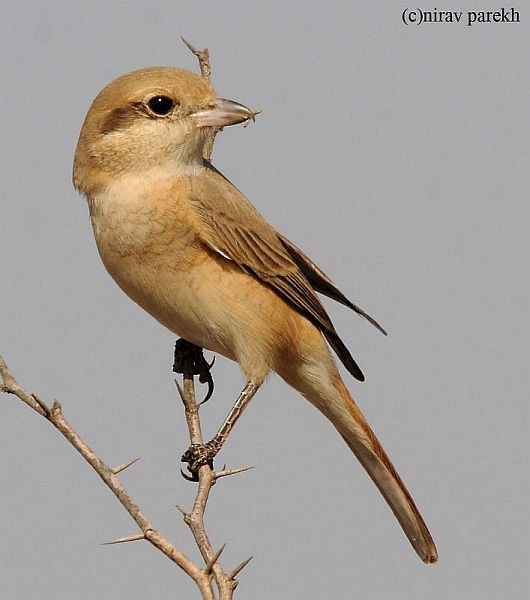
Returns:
(149, 244)
(138, 219)
(143, 232)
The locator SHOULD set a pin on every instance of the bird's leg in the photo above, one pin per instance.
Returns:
(198, 455)
(241, 403)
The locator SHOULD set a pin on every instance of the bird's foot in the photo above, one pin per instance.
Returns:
(190, 356)
(198, 455)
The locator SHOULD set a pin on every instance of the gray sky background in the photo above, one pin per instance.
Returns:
(397, 157)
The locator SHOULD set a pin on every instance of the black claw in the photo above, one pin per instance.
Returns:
(193, 478)
(205, 376)
(209, 393)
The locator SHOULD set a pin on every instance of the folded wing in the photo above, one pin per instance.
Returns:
(232, 227)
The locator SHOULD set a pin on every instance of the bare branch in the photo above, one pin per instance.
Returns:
(55, 416)
(195, 519)
(226, 583)
(191, 408)
(10, 386)
(203, 56)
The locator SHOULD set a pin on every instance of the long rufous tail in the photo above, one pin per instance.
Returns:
(367, 448)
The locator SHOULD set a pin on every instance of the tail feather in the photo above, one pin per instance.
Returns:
(312, 371)
(364, 444)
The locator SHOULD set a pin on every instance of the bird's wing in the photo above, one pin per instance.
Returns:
(233, 228)
(321, 282)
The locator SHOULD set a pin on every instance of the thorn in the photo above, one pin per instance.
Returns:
(55, 410)
(130, 538)
(193, 49)
(180, 390)
(228, 472)
(239, 568)
(124, 466)
(209, 565)
(181, 510)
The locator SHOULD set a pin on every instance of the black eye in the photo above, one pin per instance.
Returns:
(161, 105)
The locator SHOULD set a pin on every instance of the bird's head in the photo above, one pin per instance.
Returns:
(151, 118)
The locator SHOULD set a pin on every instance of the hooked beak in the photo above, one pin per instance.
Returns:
(223, 112)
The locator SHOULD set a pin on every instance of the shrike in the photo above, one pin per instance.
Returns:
(190, 249)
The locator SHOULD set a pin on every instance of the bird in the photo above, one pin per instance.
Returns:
(190, 249)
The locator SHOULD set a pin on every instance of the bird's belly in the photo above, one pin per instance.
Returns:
(173, 292)
(199, 295)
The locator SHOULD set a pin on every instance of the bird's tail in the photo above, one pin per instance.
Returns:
(332, 398)
(367, 448)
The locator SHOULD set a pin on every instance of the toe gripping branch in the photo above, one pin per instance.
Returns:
(189, 356)
(198, 455)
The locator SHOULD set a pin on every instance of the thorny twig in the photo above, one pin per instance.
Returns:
(203, 56)
(55, 416)
(226, 582)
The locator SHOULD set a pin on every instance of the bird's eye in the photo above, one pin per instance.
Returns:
(161, 105)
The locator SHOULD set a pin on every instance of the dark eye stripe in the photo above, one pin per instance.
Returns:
(119, 118)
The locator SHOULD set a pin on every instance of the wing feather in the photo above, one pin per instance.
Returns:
(233, 228)
(321, 282)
